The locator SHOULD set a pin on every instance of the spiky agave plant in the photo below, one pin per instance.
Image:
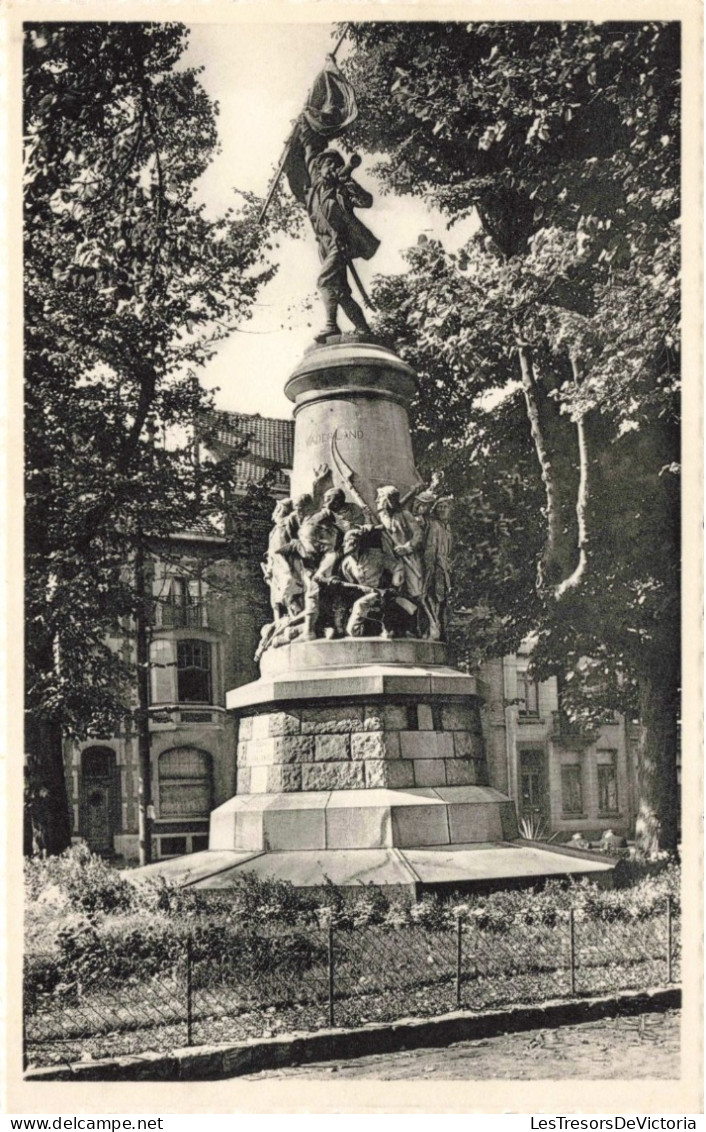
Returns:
(533, 828)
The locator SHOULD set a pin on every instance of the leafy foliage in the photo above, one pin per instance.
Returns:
(564, 140)
(129, 285)
(80, 880)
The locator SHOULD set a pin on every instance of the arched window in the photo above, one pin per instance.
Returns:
(185, 783)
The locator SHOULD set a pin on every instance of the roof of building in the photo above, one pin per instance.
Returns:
(270, 440)
(270, 451)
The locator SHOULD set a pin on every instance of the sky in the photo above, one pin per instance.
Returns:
(260, 75)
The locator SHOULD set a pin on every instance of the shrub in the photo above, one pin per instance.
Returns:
(252, 900)
(42, 976)
(89, 926)
(118, 949)
(90, 885)
(222, 956)
(431, 913)
(633, 868)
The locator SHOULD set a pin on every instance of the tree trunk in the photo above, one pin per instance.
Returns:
(557, 561)
(658, 793)
(47, 813)
(573, 580)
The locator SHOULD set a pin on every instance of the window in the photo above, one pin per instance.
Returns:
(193, 672)
(162, 672)
(185, 783)
(176, 609)
(607, 783)
(181, 672)
(527, 694)
(177, 846)
(98, 762)
(571, 791)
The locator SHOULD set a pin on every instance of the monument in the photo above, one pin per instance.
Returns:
(360, 752)
(360, 755)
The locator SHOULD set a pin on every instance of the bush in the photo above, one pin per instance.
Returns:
(633, 868)
(224, 955)
(118, 949)
(89, 926)
(90, 885)
(42, 976)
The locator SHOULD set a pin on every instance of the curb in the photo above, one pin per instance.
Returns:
(202, 1063)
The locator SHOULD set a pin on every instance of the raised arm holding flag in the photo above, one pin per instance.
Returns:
(321, 180)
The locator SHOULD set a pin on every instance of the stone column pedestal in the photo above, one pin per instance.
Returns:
(360, 392)
(361, 760)
(357, 743)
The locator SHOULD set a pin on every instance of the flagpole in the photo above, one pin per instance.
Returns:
(287, 146)
(358, 282)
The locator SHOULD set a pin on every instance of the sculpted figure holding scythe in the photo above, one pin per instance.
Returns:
(402, 537)
(321, 180)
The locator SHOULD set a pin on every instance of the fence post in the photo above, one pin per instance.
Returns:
(189, 989)
(572, 951)
(459, 957)
(330, 974)
(669, 938)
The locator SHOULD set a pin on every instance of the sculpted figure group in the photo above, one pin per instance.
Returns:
(336, 568)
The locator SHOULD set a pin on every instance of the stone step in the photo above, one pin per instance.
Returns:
(363, 819)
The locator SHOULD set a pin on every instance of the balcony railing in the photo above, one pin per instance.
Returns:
(565, 730)
(180, 615)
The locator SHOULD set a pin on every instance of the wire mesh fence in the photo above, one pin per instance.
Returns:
(278, 980)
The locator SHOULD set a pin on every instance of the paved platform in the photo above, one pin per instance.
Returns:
(476, 865)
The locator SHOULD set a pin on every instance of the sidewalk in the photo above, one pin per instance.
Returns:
(241, 1058)
(621, 1049)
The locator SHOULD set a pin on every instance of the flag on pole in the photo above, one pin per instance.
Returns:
(330, 108)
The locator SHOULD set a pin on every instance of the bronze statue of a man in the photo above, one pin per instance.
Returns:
(321, 180)
(341, 236)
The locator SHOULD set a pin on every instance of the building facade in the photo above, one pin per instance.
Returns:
(564, 780)
(209, 608)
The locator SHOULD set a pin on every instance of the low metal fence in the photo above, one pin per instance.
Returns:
(270, 981)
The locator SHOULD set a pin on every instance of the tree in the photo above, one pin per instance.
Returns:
(128, 287)
(565, 140)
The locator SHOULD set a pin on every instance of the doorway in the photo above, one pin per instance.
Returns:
(534, 793)
(100, 799)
